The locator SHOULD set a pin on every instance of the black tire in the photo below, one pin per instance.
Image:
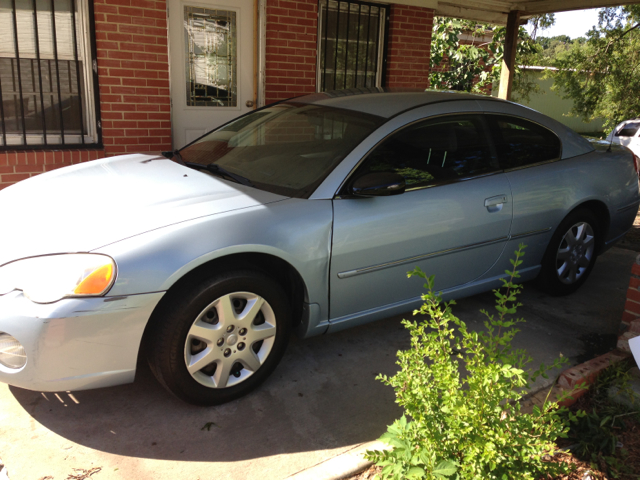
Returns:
(194, 328)
(566, 265)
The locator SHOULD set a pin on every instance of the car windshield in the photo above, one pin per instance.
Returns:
(287, 149)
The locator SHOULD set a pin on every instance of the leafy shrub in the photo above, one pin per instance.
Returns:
(467, 425)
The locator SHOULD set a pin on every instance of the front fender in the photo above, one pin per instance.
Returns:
(295, 230)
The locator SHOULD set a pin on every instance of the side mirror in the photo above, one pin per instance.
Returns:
(380, 184)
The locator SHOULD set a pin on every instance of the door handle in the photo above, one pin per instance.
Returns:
(494, 204)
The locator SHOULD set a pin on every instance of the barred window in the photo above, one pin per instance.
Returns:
(46, 74)
(351, 44)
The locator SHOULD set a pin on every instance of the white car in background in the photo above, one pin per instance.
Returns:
(626, 134)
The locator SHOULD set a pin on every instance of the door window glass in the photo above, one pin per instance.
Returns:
(211, 59)
(436, 151)
(520, 143)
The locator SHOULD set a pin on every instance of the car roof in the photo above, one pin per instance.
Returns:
(385, 102)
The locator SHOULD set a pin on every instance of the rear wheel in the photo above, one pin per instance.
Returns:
(222, 338)
(571, 254)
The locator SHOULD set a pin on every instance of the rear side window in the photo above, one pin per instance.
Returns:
(520, 143)
(628, 130)
(435, 151)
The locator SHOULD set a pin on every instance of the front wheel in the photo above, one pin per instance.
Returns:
(571, 254)
(220, 339)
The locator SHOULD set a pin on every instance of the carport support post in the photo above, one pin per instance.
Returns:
(509, 58)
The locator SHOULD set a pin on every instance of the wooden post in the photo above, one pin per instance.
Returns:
(509, 58)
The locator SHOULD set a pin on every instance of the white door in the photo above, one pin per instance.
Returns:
(211, 65)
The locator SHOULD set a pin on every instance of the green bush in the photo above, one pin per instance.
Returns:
(466, 422)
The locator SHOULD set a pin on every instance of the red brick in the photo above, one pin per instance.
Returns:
(13, 177)
(588, 371)
(633, 307)
(48, 168)
(29, 168)
(628, 317)
(633, 294)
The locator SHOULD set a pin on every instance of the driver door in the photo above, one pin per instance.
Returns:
(452, 221)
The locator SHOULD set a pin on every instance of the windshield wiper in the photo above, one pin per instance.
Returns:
(174, 155)
(211, 168)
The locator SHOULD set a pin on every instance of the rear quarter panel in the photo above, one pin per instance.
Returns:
(543, 195)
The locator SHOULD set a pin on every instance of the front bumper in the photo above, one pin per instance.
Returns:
(75, 343)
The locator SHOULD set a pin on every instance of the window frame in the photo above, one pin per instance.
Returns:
(89, 101)
(343, 190)
(382, 46)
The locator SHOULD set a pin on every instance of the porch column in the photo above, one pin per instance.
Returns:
(509, 58)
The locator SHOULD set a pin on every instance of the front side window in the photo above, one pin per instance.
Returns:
(286, 149)
(435, 151)
(351, 39)
(46, 75)
(520, 143)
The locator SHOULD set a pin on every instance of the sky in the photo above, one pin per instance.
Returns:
(574, 24)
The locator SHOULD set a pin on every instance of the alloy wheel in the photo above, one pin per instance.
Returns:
(575, 253)
(230, 340)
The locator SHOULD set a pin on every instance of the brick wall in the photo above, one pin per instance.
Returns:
(292, 32)
(133, 72)
(630, 326)
(16, 166)
(409, 46)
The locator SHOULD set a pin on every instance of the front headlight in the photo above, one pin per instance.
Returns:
(50, 278)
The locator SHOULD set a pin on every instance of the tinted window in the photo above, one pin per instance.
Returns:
(520, 143)
(628, 130)
(435, 151)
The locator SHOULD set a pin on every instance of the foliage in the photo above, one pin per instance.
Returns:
(469, 425)
(596, 430)
(467, 56)
(602, 74)
(552, 49)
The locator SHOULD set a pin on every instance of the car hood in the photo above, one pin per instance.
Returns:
(86, 206)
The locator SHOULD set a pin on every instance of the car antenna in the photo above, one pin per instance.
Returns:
(613, 132)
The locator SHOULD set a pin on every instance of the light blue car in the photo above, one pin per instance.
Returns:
(302, 216)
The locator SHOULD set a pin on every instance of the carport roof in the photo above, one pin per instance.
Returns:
(496, 11)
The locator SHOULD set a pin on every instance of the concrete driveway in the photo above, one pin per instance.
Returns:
(321, 401)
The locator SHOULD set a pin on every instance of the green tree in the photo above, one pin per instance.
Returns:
(602, 74)
(466, 55)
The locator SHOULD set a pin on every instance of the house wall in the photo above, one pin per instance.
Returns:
(551, 103)
(16, 166)
(133, 75)
(409, 46)
(292, 42)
